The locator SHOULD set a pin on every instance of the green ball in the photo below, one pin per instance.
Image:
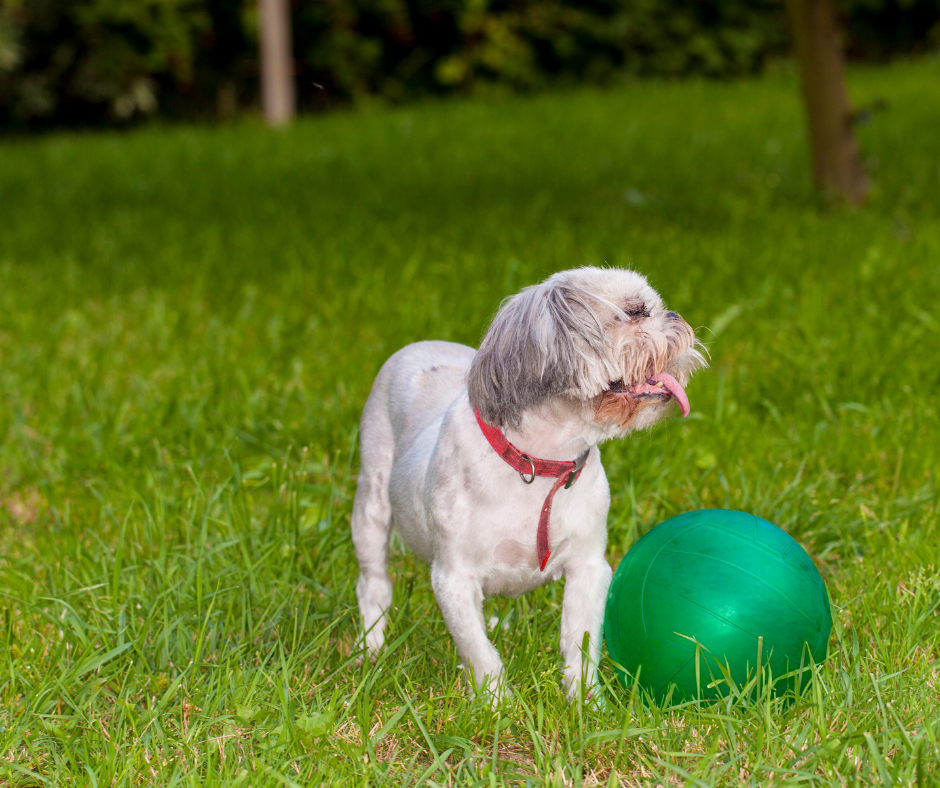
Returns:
(734, 584)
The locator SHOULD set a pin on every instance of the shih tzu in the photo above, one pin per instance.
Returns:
(487, 462)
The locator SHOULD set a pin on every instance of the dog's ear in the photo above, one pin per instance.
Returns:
(545, 341)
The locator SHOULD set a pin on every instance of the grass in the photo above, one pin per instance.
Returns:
(190, 320)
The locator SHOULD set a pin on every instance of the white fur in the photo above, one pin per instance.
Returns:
(550, 354)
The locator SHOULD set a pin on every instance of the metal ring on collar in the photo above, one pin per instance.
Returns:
(532, 466)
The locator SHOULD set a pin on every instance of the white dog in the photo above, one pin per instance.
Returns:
(456, 446)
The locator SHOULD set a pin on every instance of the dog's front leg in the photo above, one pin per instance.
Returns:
(582, 611)
(460, 598)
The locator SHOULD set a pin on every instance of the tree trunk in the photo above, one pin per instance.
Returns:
(277, 63)
(837, 165)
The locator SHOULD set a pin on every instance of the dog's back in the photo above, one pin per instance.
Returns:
(413, 390)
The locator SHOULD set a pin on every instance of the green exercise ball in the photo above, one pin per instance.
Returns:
(697, 599)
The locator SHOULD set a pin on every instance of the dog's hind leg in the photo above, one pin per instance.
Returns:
(372, 523)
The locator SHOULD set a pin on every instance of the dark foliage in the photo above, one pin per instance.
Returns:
(105, 61)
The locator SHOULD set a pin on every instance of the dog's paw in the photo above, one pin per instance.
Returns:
(595, 699)
(590, 695)
(494, 689)
(365, 650)
(362, 657)
(496, 696)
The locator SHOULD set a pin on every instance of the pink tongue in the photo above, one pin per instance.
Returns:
(673, 387)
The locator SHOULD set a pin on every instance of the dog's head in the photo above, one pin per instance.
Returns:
(598, 339)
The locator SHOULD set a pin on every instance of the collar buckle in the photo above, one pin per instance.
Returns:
(532, 471)
(576, 471)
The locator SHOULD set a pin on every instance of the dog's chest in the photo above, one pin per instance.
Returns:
(508, 561)
(482, 518)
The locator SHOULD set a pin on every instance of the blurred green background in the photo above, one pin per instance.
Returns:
(117, 61)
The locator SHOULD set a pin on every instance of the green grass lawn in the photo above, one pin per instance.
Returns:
(190, 321)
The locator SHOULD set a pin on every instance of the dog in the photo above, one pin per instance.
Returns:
(487, 463)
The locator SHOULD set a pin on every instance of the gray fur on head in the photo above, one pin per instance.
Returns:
(541, 339)
(570, 337)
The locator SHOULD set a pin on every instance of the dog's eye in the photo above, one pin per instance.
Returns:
(638, 311)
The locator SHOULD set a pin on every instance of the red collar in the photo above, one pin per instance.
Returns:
(565, 472)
